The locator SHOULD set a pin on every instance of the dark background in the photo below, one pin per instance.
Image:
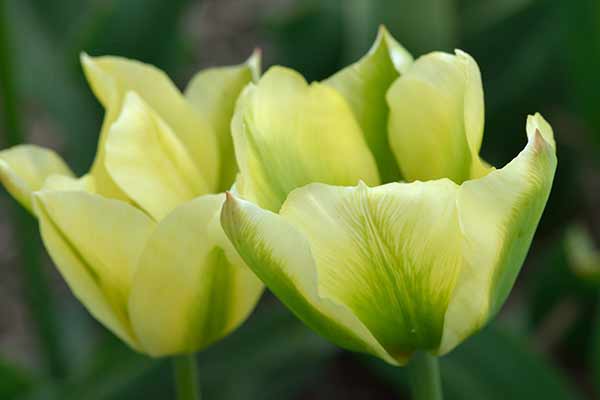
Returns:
(539, 55)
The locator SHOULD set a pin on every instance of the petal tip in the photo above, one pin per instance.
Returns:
(538, 126)
(84, 57)
(254, 62)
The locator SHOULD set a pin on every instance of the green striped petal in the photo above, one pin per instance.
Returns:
(281, 257)
(390, 253)
(287, 134)
(364, 85)
(149, 162)
(213, 93)
(498, 217)
(95, 243)
(191, 288)
(25, 168)
(436, 118)
(112, 77)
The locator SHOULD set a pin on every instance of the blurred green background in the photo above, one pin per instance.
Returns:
(535, 55)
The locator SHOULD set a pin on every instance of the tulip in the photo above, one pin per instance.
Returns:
(138, 238)
(373, 265)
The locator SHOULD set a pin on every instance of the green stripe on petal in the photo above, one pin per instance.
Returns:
(112, 77)
(149, 162)
(436, 118)
(213, 93)
(190, 288)
(498, 215)
(287, 134)
(364, 85)
(281, 257)
(25, 168)
(391, 254)
(95, 243)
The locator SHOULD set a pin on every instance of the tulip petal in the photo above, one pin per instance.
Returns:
(62, 182)
(112, 77)
(390, 253)
(364, 85)
(288, 134)
(95, 242)
(150, 163)
(24, 169)
(191, 288)
(213, 93)
(281, 257)
(436, 118)
(498, 216)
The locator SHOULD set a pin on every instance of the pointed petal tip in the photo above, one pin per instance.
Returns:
(539, 142)
(382, 30)
(255, 58)
(257, 52)
(254, 62)
(540, 132)
(362, 185)
(228, 207)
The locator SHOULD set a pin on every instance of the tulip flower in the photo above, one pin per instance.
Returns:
(374, 265)
(138, 238)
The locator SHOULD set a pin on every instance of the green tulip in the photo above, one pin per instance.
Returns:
(387, 269)
(138, 238)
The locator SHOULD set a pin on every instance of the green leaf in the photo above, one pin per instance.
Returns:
(14, 380)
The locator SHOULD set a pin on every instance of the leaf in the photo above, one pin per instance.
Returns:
(14, 380)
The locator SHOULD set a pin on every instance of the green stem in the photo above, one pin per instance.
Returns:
(186, 377)
(425, 377)
(35, 285)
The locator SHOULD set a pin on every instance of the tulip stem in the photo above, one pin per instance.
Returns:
(425, 377)
(186, 377)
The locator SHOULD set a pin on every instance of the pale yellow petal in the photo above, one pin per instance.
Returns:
(95, 242)
(499, 214)
(24, 169)
(213, 93)
(191, 288)
(364, 85)
(436, 118)
(287, 134)
(149, 162)
(63, 182)
(112, 77)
